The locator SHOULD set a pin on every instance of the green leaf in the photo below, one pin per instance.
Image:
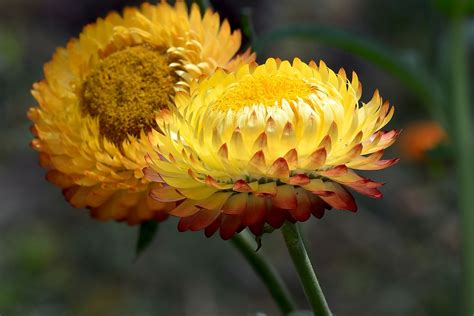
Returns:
(146, 234)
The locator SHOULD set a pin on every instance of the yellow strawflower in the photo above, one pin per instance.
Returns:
(268, 143)
(105, 91)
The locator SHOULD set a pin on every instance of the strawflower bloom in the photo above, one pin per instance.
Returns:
(106, 90)
(268, 143)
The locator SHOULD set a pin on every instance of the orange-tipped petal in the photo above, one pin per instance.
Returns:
(213, 227)
(315, 185)
(379, 164)
(354, 152)
(334, 172)
(318, 206)
(215, 201)
(315, 160)
(266, 189)
(223, 152)
(257, 229)
(257, 163)
(303, 211)
(184, 223)
(210, 181)
(361, 161)
(285, 197)
(242, 186)
(203, 218)
(279, 169)
(184, 209)
(261, 142)
(166, 194)
(342, 199)
(229, 226)
(291, 157)
(275, 217)
(370, 192)
(326, 143)
(255, 211)
(197, 193)
(235, 204)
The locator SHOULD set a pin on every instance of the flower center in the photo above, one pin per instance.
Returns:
(268, 90)
(127, 89)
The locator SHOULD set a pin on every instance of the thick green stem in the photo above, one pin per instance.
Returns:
(303, 266)
(278, 290)
(462, 130)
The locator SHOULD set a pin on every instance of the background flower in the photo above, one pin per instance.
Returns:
(420, 137)
(105, 90)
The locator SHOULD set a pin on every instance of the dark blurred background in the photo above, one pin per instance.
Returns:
(396, 256)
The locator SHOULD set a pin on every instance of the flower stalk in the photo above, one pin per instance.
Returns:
(299, 255)
(462, 130)
(272, 280)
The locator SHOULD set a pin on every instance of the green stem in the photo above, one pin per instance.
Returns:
(303, 266)
(462, 130)
(278, 290)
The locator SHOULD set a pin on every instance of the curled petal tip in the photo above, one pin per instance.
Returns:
(223, 151)
(242, 186)
(279, 169)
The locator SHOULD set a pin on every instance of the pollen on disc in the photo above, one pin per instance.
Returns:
(127, 89)
(265, 90)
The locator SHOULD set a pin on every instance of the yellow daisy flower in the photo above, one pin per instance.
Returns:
(268, 143)
(105, 91)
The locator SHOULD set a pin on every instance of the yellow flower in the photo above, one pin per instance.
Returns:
(266, 144)
(105, 91)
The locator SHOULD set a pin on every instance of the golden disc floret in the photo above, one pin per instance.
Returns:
(264, 90)
(126, 90)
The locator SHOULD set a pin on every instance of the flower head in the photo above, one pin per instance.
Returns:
(268, 143)
(106, 90)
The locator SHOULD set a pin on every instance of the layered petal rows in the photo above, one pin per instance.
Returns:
(267, 144)
(93, 171)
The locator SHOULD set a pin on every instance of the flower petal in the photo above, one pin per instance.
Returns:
(255, 211)
(285, 197)
(235, 204)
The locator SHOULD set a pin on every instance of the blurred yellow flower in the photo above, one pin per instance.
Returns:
(266, 144)
(105, 91)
